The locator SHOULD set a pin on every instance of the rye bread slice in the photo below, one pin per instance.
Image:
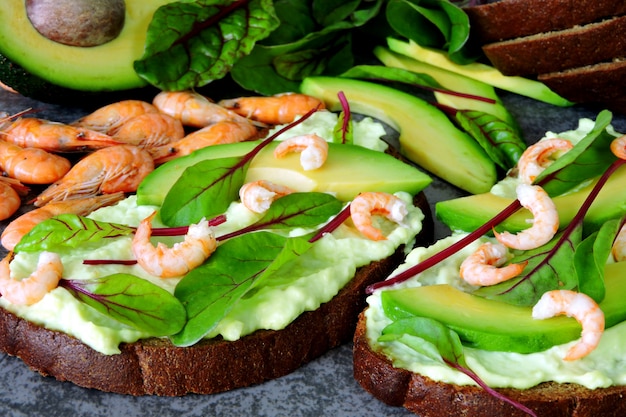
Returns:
(560, 50)
(508, 19)
(427, 398)
(156, 367)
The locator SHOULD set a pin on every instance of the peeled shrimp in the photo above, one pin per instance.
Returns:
(367, 204)
(215, 134)
(30, 290)
(258, 196)
(108, 170)
(150, 130)
(619, 246)
(30, 132)
(10, 200)
(108, 119)
(483, 267)
(277, 109)
(313, 150)
(544, 224)
(618, 147)
(538, 156)
(13, 233)
(579, 306)
(193, 109)
(181, 258)
(32, 165)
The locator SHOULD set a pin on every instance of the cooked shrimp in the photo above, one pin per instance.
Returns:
(181, 258)
(544, 224)
(13, 233)
(108, 170)
(619, 245)
(30, 132)
(150, 130)
(484, 266)
(313, 150)
(193, 109)
(32, 165)
(108, 119)
(367, 204)
(579, 306)
(10, 200)
(30, 290)
(215, 134)
(538, 156)
(258, 196)
(278, 109)
(618, 147)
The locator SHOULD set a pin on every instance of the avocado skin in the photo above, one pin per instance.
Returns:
(32, 86)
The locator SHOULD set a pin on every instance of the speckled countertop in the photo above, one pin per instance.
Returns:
(324, 387)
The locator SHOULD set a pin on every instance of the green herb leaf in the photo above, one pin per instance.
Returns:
(190, 44)
(69, 231)
(379, 72)
(499, 140)
(133, 301)
(210, 291)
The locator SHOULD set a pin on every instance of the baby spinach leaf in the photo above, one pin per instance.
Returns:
(131, 300)
(294, 210)
(210, 291)
(499, 140)
(190, 44)
(69, 231)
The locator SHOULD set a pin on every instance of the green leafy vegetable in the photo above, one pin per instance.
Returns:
(131, 300)
(190, 44)
(344, 131)
(499, 140)
(210, 291)
(69, 231)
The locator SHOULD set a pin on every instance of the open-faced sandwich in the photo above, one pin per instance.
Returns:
(529, 320)
(232, 265)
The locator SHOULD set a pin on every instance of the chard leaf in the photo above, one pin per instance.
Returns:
(588, 159)
(69, 231)
(379, 72)
(499, 140)
(294, 210)
(205, 189)
(343, 131)
(591, 257)
(210, 291)
(329, 12)
(131, 300)
(190, 44)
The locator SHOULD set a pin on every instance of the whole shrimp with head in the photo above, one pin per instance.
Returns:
(579, 306)
(278, 109)
(368, 204)
(14, 231)
(30, 290)
(108, 170)
(545, 222)
(110, 118)
(166, 262)
(10, 200)
(32, 165)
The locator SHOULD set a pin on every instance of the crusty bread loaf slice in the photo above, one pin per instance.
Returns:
(428, 398)
(559, 50)
(156, 367)
(508, 19)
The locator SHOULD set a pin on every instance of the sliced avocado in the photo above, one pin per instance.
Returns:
(349, 170)
(481, 72)
(453, 82)
(427, 136)
(493, 325)
(106, 67)
(469, 213)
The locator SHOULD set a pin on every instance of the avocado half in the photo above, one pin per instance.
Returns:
(50, 71)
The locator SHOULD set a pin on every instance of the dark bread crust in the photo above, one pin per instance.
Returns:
(156, 367)
(508, 19)
(428, 398)
(557, 51)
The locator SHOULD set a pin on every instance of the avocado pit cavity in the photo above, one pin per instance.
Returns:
(81, 23)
